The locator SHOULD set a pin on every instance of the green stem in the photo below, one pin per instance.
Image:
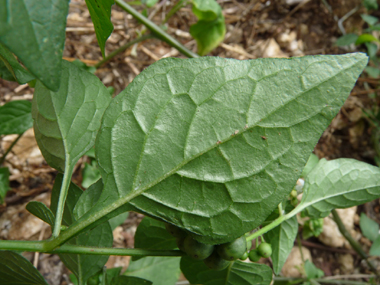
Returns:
(355, 245)
(121, 49)
(272, 225)
(62, 198)
(2, 159)
(160, 33)
(41, 246)
(280, 211)
(104, 275)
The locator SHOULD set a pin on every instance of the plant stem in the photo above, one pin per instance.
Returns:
(40, 246)
(121, 49)
(62, 198)
(2, 159)
(355, 245)
(160, 33)
(272, 225)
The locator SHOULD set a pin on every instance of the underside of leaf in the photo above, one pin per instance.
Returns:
(213, 145)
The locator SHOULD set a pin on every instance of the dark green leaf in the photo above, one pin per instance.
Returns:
(41, 211)
(90, 174)
(152, 234)
(159, 270)
(208, 34)
(100, 11)
(66, 122)
(371, 4)
(366, 38)
(35, 32)
(311, 163)
(14, 68)
(239, 273)
(346, 40)
(312, 271)
(85, 266)
(15, 269)
(375, 248)
(127, 280)
(369, 228)
(282, 239)
(4, 183)
(202, 143)
(370, 20)
(339, 183)
(15, 117)
(72, 197)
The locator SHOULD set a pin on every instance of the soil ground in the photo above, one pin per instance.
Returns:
(256, 28)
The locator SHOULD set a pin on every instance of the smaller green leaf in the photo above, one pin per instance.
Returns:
(370, 4)
(149, 3)
(375, 248)
(373, 28)
(346, 40)
(111, 274)
(152, 234)
(15, 117)
(41, 211)
(4, 183)
(15, 70)
(207, 10)
(312, 271)
(238, 273)
(369, 227)
(84, 66)
(159, 270)
(100, 12)
(372, 71)
(312, 227)
(90, 174)
(282, 239)
(311, 163)
(15, 269)
(118, 220)
(370, 20)
(127, 280)
(371, 49)
(339, 183)
(366, 38)
(208, 34)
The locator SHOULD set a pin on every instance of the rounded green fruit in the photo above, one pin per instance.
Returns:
(215, 262)
(244, 256)
(264, 249)
(233, 250)
(175, 231)
(196, 249)
(254, 255)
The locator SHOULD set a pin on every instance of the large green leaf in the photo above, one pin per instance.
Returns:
(282, 239)
(100, 12)
(159, 270)
(85, 266)
(214, 145)
(66, 122)
(238, 273)
(4, 183)
(15, 269)
(339, 183)
(15, 117)
(41, 211)
(152, 234)
(35, 32)
(13, 69)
